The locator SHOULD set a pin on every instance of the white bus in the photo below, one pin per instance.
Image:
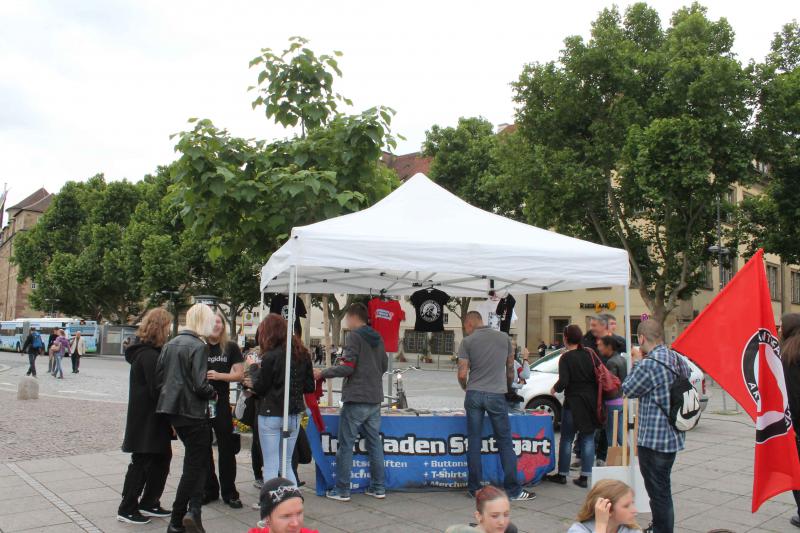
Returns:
(12, 338)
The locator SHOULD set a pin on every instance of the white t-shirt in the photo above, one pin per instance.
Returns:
(488, 310)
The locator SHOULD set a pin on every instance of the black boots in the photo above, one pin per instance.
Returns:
(192, 523)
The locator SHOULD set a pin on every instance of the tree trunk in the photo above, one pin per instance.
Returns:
(233, 309)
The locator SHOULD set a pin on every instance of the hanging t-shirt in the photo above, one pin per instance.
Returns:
(385, 317)
(505, 309)
(222, 361)
(280, 306)
(429, 305)
(488, 310)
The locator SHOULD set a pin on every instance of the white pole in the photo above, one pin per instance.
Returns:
(285, 461)
(628, 333)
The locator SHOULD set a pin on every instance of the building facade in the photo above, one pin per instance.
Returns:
(13, 294)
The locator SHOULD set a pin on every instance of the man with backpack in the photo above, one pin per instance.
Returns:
(33, 346)
(657, 373)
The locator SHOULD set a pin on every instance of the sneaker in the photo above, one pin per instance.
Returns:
(234, 503)
(582, 482)
(259, 484)
(158, 512)
(379, 494)
(795, 520)
(600, 463)
(556, 478)
(256, 506)
(334, 494)
(524, 496)
(576, 465)
(133, 518)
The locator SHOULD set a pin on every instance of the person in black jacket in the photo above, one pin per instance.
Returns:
(577, 381)
(147, 434)
(790, 354)
(33, 346)
(186, 395)
(608, 347)
(268, 382)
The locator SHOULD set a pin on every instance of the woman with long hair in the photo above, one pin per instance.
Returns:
(225, 366)
(147, 434)
(577, 381)
(790, 354)
(182, 377)
(608, 508)
(268, 382)
(493, 511)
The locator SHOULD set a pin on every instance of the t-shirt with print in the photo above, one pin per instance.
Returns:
(505, 310)
(222, 361)
(488, 311)
(487, 352)
(429, 305)
(385, 317)
(280, 306)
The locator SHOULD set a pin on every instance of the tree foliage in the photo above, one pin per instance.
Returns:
(629, 138)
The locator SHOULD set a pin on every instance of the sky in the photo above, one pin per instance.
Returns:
(100, 85)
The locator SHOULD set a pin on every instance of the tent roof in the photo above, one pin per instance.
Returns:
(422, 235)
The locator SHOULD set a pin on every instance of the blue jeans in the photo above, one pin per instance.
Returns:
(57, 369)
(656, 468)
(364, 418)
(269, 435)
(478, 403)
(585, 442)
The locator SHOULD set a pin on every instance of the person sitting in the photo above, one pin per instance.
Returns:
(493, 511)
(608, 508)
(281, 508)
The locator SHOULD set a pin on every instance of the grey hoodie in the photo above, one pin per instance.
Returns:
(362, 367)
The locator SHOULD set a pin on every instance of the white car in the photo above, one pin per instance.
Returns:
(544, 374)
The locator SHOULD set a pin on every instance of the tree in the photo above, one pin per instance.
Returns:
(629, 139)
(773, 216)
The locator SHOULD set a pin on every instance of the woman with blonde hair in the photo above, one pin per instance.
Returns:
(608, 508)
(147, 434)
(182, 376)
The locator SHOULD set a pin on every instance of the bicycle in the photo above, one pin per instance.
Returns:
(399, 401)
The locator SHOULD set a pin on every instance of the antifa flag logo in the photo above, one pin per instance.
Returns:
(773, 420)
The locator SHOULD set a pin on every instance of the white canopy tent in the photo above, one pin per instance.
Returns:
(421, 236)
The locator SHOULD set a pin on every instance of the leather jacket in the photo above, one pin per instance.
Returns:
(181, 377)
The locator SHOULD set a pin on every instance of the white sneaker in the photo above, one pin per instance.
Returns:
(600, 462)
(256, 506)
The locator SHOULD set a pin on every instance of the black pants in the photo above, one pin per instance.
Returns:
(32, 363)
(656, 470)
(196, 439)
(76, 362)
(258, 459)
(148, 472)
(222, 425)
(797, 492)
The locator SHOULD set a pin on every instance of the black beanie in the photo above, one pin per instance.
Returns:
(275, 492)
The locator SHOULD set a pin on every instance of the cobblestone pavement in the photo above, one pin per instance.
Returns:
(59, 472)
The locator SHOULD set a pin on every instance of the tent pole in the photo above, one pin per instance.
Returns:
(628, 333)
(328, 347)
(285, 434)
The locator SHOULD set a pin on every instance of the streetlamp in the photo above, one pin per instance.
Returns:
(52, 302)
(172, 296)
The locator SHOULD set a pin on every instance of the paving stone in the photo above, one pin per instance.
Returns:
(28, 520)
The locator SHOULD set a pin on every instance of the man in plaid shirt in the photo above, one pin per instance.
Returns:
(658, 441)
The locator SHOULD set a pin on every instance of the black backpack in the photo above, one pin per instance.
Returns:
(684, 402)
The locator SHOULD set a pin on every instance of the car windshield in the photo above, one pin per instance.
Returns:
(547, 364)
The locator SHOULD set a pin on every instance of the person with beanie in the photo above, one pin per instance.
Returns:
(281, 508)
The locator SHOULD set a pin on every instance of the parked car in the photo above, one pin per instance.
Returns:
(544, 374)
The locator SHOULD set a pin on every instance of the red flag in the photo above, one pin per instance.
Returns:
(735, 341)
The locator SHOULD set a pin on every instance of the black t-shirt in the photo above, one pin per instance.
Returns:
(280, 306)
(429, 306)
(505, 308)
(222, 361)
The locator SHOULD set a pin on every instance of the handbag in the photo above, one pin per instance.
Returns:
(246, 411)
(607, 385)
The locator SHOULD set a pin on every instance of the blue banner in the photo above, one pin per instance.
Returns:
(429, 452)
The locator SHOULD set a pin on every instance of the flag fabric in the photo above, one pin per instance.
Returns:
(735, 341)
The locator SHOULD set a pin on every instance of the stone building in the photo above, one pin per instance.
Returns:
(21, 217)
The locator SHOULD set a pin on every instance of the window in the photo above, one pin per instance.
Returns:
(414, 341)
(33, 284)
(635, 321)
(557, 327)
(707, 277)
(795, 287)
(730, 208)
(774, 282)
(728, 270)
(443, 342)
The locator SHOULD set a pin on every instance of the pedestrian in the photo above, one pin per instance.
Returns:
(319, 354)
(493, 511)
(542, 349)
(658, 442)
(225, 366)
(281, 505)
(608, 508)
(33, 345)
(59, 348)
(362, 365)
(598, 328)
(148, 436)
(77, 349)
(790, 354)
(616, 364)
(576, 379)
(485, 372)
(268, 382)
(612, 329)
(51, 353)
(522, 371)
(187, 398)
(256, 458)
